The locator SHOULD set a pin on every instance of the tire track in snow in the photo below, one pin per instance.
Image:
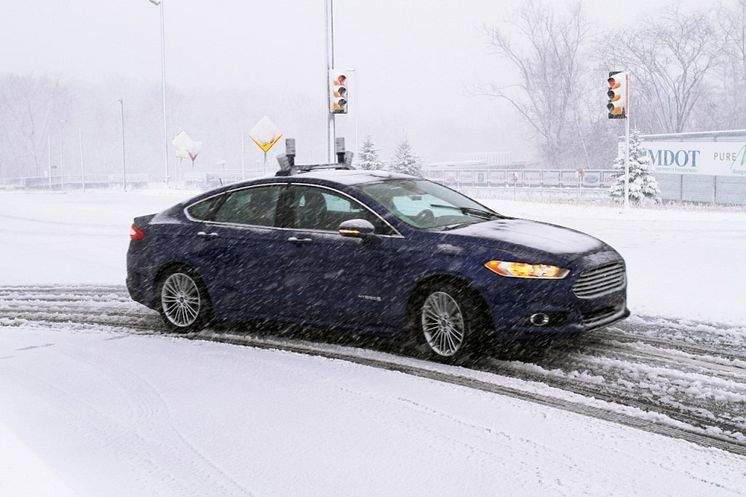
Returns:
(88, 307)
(704, 437)
(623, 336)
(614, 390)
(12, 299)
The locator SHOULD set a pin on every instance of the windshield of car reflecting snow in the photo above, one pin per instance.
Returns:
(427, 205)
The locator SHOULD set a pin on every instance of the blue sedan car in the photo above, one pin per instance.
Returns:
(371, 251)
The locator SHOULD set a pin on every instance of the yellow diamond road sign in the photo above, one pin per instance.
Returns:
(265, 134)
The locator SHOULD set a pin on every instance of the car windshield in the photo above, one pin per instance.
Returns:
(427, 205)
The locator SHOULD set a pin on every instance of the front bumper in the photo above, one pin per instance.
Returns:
(567, 309)
(562, 320)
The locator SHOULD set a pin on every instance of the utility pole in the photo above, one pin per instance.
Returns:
(124, 156)
(331, 132)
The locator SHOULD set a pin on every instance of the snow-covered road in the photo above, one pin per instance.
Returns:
(698, 386)
(642, 363)
(92, 412)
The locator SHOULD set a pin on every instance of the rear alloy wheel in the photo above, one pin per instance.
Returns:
(184, 304)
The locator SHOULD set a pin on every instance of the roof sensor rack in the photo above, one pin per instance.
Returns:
(292, 170)
(288, 167)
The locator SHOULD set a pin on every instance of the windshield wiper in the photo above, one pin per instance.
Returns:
(449, 227)
(470, 210)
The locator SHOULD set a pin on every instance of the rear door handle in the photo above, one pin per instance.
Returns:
(294, 239)
(209, 236)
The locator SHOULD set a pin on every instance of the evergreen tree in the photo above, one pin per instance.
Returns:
(405, 161)
(369, 156)
(643, 186)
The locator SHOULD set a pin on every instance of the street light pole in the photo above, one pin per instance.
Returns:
(49, 150)
(82, 161)
(124, 156)
(162, 5)
(62, 153)
(243, 157)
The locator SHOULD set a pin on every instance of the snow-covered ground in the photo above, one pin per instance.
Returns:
(73, 237)
(101, 413)
(94, 411)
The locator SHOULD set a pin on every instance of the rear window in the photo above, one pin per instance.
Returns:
(201, 210)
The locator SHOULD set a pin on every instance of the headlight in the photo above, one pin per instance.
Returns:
(526, 270)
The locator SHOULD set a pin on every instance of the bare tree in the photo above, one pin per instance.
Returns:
(725, 107)
(547, 51)
(670, 57)
(27, 104)
(31, 108)
(734, 22)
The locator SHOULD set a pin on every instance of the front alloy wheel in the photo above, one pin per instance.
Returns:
(443, 324)
(183, 304)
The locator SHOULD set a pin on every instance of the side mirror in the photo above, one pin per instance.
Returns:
(356, 228)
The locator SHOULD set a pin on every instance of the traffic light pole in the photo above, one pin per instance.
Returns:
(331, 131)
(626, 144)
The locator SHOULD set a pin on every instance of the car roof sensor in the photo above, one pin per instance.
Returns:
(288, 167)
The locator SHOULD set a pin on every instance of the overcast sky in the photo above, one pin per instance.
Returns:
(415, 59)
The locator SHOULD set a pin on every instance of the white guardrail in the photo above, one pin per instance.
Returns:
(558, 178)
(455, 178)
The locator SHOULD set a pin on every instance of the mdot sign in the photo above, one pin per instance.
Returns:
(713, 158)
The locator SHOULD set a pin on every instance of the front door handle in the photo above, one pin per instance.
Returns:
(295, 239)
(208, 236)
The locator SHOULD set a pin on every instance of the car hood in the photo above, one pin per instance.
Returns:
(533, 234)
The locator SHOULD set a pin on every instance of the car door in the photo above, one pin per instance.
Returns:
(241, 245)
(333, 279)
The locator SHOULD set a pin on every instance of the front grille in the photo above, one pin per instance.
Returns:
(594, 317)
(599, 281)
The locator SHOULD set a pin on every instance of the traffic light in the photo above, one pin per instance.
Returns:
(339, 97)
(617, 94)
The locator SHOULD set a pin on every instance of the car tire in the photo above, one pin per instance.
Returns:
(445, 323)
(183, 301)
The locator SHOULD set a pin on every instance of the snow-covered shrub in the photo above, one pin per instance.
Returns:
(405, 161)
(369, 156)
(643, 187)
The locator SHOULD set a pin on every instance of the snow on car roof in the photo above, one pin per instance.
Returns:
(351, 176)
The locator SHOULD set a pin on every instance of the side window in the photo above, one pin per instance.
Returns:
(255, 206)
(201, 210)
(321, 209)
